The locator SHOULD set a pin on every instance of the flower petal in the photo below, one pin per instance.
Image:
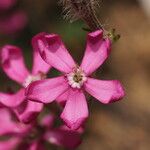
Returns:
(105, 91)
(80, 130)
(54, 52)
(76, 111)
(12, 100)
(6, 4)
(36, 145)
(28, 111)
(13, 63)
(63, 98)
(47, 90)
(9, 144)
(7, 125)
(39, 65)
(48, 121)
(97, 51)
(61, 137)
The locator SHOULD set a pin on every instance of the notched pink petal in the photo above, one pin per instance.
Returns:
(97, 51)
(47, 90)
(105, 91)
(13, 63)
(79, 131)
(39, 65)
(76, 111)
(12, 100)
(54, 52)
(96, 35)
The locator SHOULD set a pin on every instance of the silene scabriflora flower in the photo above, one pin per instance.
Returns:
(76, 80)
(13, 65)
(34, 136)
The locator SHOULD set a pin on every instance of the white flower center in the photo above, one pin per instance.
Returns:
(32, 78)
(76, 78)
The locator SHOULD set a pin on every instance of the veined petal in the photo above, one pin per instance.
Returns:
(13, 63)
(12, 100)
(39, 65)
(76, 111)
(105, 91)
(54, 52)
(62, 137)
(97, 51)
(28, 111)
(47, 90)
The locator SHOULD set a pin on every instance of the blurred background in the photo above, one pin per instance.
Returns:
(124, 125)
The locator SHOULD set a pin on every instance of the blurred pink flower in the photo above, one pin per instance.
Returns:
(35, 135)
(12, 62)
(75, 79)
(6, 4)
(13, 23)
(12, 20)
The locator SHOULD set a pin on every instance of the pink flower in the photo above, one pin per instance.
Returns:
(9, 128)
(13, 65)
(35, 135)
(75, 79)
(6, 4)
(13, 23)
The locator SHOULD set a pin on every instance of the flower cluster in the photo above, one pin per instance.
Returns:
(68, 90)
(36, 134)
(11, 20)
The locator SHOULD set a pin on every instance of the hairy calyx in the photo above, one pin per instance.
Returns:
(82, 9)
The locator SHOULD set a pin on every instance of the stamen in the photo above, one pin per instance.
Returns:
(32, 78)
(76, 78)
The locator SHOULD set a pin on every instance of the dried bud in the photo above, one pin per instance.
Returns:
(113, 35)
